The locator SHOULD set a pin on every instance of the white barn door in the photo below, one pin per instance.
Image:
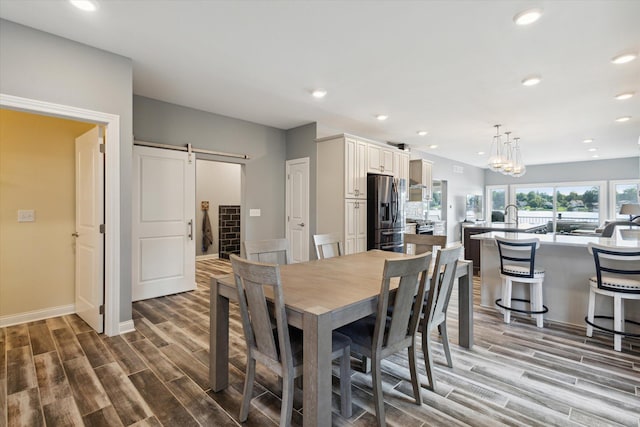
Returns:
(164, 251)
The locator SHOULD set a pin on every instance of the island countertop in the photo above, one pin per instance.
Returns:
(622, 237)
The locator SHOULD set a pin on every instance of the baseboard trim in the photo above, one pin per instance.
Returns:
(209, 256)
(127, 326)
(31, 316)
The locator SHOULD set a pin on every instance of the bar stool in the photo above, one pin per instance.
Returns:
(517, 264)
(621, 280)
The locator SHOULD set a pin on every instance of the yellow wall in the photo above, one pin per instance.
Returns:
(37, 172)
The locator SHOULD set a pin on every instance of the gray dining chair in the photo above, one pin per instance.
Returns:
(327, 245)
(272, 251)
(378, 336)
(436, 305)
(278, 348)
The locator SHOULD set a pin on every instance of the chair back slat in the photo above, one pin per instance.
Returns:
(327, 245)
(420, 243)
(617, 262)
(412, 275)
(441, 285)
(520, 252)
(270, 251)
(251, 281)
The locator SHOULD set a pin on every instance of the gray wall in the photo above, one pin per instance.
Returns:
(301, 142)
(263, 179)
(45, 67)
(470, 181)
(598, 170)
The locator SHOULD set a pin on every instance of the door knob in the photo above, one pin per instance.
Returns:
(75, 234)
(301, 224)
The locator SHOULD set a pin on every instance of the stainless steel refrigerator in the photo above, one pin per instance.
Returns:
(386, 198)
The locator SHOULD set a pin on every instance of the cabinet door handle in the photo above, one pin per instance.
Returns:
(191, 229)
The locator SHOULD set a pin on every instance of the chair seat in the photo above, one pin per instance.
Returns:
(360, 331)
(338, 342)
(517, 270)
(616, 283)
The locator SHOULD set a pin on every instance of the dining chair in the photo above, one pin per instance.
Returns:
(278, 348)
(436, 305)
(378, 336)
(272, 251)
(518, 265)
(617, 276)
(421, 243)
(327, 245)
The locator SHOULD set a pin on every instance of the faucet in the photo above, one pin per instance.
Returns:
(506, 209)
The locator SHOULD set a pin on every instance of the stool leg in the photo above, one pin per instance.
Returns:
(591, 311)
(506, 298)
(618, 321)
(537, 292)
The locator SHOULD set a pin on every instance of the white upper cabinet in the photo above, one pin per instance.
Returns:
(420, 180)
(355, 179)
(379, 160)
(401, 166)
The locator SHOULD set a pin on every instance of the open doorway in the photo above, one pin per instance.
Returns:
(218, 200)
(39, 215)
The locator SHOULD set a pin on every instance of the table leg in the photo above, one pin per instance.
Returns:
(317, 368)
(218, 339)
(465, 308)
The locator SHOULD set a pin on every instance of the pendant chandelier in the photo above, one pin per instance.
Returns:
(506, 157)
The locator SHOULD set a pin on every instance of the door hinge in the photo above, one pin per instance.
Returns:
(102, 148)
(288, 176)
(101, 309)
(102, 228)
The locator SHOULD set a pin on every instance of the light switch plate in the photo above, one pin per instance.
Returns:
(254, 212)
(26, 215)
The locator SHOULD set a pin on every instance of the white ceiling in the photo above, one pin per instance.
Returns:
(452, 68)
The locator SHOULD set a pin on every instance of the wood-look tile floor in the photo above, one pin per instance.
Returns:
(59, 372)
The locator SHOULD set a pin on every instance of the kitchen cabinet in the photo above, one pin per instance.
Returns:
(355, 234)
(379, 159)
(420, 180)
(355, 166)
(401, 166)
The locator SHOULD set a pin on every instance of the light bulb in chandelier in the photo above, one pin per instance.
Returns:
(507, 156)
(495, 154)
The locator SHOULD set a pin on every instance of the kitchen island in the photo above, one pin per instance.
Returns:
(568, 266)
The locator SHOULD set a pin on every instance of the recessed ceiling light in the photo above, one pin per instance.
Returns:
(86, 5)
(587, 141)
(624, 95)
(527, 17)
(595, 156)
(319, 93)
(432, 146)
(422, 132)
(624, 58)
(531, 80)
(480, 153)
(592, 149)
(382, 117)
(623, 119)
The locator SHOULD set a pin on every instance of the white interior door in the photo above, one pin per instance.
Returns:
(297, 200)
(89, 266)
(164, 251)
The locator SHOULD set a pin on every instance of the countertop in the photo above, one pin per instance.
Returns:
(505, 226)
(624, 238)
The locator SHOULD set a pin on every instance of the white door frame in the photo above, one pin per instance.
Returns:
(112, 192)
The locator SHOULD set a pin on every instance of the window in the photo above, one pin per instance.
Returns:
(496, 202)
(624, 192)
(566, 208)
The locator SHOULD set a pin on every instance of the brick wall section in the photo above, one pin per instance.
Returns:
(229, 230)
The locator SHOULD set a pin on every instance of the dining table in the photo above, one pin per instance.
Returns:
(321, 296)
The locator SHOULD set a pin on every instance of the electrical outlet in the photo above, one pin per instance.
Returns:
(26, 215)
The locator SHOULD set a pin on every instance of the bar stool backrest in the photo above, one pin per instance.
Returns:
(618, 263)
(519, 253)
